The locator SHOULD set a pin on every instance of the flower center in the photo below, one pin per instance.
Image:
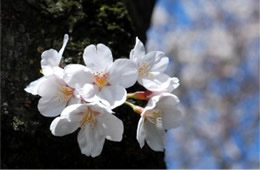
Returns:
(89, 117)
(100, 79)
(155, 117)
(144, 70)
(64, 94)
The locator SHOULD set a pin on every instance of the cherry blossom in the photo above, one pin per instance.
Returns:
(160, 114)
(96, 123)
(151, 67)
(102, 79)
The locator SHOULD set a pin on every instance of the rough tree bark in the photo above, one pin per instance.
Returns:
(28, 28)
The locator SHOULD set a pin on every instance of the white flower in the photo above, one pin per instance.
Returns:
(160, 114)
(102, 79)
(55, 95)
(96, 123)
(151, 67)
(50, 64)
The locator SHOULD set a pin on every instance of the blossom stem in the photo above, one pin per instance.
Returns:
(136, 108)
(139, 95)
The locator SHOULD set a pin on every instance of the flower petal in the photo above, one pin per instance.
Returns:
(123, 72)
(65, 41)
(50, 59)
(98, 58)
(160, 63)
(155, 137)
(91, 140)
(77, 74)
(51, 106)
(33, 86)
(172, 116)
(50, 86)
(140, 135)
(112, 96)
(61, 126)
(113, 127)
(88, 92)
(159, 82)
(138, 52)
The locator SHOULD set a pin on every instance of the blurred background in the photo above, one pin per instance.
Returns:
(214, 48)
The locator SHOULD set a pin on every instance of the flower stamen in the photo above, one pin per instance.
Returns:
(100, 79)
(89, 117)
(155, 117)
(144, 70)
(64, 93)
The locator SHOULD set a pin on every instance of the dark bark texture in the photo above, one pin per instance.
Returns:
(31, 26)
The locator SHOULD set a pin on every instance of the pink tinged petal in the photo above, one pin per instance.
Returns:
(140, 135)
(65, 41)
(123, 72)
(50, 59)
(61, 126)
(158, 82)
(77, 74)
(33, 86)
(88, 92)
(91, 140)
(172, 115)
(155, 137)
(51, 106)
(112, 126)
(138, 52)
(112, 96)
(98, 58)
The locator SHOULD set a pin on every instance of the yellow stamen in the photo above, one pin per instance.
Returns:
(154, 116)
(64, 94)
(144, 70)
(88, 117)
(100, 79)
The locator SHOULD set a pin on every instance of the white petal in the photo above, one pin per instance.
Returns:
(50, 59)
(50, 86)
(155, 137)
(88, 92)
(91, 140)
(138, 52)
(77, 74)
(61, 126)
(171, 116)
(51, 106)
(140, 135)
(65, 41)
(113, 127)
(74, 100)
(33, 86)
(123, 72)
(112, 96)
(98, 58)
(158, 82)
(160, 63)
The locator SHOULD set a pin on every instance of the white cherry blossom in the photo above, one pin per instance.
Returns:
(96, 124)
(49, 64)
(102, 79)
(160, 114)
(55, 95)
(151, 67)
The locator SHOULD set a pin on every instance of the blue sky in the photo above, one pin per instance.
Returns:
(222, 87)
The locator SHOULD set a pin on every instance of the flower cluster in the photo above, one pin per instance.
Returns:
(83, 96)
